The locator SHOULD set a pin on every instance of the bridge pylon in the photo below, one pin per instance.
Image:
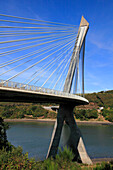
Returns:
(65, 112)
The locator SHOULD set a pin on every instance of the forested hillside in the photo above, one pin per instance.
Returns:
(96, 100)
(26, 110)
(103, 98)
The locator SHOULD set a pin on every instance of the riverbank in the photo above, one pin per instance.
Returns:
(53, 120)
(20, 134)
(100, 160)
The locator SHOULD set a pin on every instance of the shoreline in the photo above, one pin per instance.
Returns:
(53, 120)
(99, 160)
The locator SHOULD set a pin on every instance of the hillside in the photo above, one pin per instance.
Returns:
(103, 98)
(24, 110)
(87, 112)
(100, 107)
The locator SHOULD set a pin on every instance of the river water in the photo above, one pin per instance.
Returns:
(35, 138)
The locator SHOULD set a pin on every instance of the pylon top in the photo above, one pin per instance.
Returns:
(83, 22)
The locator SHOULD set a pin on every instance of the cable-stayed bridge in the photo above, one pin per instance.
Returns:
(42, 61)
(35, 52)
(17, 92)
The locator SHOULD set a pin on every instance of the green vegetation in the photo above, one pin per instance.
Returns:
(104, 166)
(16, 160)
(108, 114)
(103, 98)
(86, 114)
(3, 138)
(12, 111)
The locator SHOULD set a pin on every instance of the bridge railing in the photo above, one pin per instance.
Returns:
(32, 88)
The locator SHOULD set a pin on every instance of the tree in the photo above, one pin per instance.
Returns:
(3, 137)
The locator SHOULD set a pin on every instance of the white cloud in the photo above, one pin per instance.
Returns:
(101, 40)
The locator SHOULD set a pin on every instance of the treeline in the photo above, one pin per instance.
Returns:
(108, 114)
(103, 98)
(32, 111)
(24, 111)
(85, 114)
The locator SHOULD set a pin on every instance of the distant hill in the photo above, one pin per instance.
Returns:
(103, 98)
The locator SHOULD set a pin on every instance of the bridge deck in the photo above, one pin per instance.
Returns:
(17, 92)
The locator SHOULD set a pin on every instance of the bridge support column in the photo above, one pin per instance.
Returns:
(75, 141)
(55, 139)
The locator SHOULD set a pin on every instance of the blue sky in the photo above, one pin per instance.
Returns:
(99, 43)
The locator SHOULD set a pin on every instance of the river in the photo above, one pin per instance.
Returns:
(34, 137)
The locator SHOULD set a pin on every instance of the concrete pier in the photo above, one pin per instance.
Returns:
(75, 141)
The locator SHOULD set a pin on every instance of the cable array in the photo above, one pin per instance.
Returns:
(35, 52)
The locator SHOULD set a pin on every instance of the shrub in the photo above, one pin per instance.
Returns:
(66, 154)
(3, 138)
(79, 115)
(86, 114)
(15, 159)
(110, 117)
(92, 114)
(108, 114)
(34, 108)
(104, 166)
(7, 113)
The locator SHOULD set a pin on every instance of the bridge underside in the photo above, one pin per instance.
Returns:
(65, 114)
(8, 95)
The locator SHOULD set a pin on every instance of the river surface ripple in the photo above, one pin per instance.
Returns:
(34, 137)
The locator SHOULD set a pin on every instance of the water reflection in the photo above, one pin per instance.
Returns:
(35, 138)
